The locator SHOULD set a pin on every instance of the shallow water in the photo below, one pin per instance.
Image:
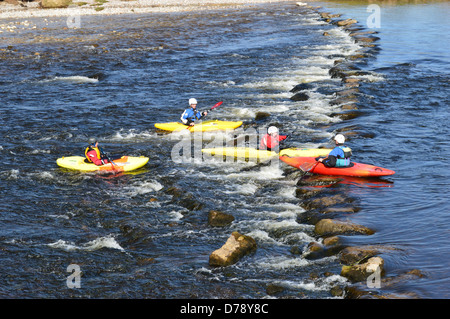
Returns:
(114, 77)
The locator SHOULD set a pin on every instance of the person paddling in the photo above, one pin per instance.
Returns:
(272, 139)
(339, 156)
(95, 155)
(190, 115)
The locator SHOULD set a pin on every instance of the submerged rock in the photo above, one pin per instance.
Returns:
(361, 272)
(261, 116)
(235, 248)
(300, 97)
(346, 23)
(352, 255)
(219, 219)
(301, 87)
(329, 227)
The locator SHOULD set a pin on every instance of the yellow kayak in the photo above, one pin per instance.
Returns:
(212, 125)
(305, 152)
(240, 152)
(253, 153)
(123, 164)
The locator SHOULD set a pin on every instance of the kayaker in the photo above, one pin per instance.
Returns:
(191, 114)
(95, 155)
(339, 156)
(272, 139)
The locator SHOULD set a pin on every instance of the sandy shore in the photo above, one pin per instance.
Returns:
(109, 7)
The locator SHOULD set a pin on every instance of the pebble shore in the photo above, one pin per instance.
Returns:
(110, 7)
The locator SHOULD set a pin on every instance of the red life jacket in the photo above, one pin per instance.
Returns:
(93, 155)
(269, 142)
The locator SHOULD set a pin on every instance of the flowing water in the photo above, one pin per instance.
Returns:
(130, 236)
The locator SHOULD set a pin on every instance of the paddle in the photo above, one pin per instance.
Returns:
(212, 108)
(216, 105)
(107, 157)
(308, 167)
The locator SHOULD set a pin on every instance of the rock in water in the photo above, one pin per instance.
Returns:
(235, 248)
(55, 3)
(219, 219)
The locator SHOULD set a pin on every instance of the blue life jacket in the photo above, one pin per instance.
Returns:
(189, 115)
(345, 160)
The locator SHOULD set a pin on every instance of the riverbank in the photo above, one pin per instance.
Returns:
(14, 9)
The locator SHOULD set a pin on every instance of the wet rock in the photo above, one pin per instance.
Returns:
(184, 198)
(331, 241)
(190, 202)
(261, 116)
(361, 272)
(301, 87)
(344, 100)
(367, 39)
(327, 15)
(346, 23)
(355, 34)
(405, 277)
(300, 97)
(350, 80)
(353, 255)
(235, 248)
(325, 201)
(55, 3)
(347, 115)
(274, 289)
(328, 227)
(219, 219)
(350, 106)
(339, 210)
(360, 290)
(316, 250)
(348, 92)
(174, 191)
(337, 291)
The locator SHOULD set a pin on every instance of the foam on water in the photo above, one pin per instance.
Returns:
(72, 78)
(96, 244)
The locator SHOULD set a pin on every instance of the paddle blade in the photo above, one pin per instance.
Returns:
(307, 167)
(216, 105)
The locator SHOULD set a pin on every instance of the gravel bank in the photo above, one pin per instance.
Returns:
(109, 7)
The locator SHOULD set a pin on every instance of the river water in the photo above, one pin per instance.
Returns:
(130, 236)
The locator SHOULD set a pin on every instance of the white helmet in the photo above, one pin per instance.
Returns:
(340, 139)
(192, 101)
(272, 130)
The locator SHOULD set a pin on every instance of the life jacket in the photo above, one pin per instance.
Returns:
(345, 161)
(269, 142)
(90, 148)
(190, 115)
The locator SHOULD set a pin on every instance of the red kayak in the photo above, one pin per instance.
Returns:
(309, 164)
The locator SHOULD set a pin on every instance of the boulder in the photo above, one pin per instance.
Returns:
(361, 272)
(300, 87)
(315, 250)
(55, 3)
(346, 23)
(300, 97)
(261, 116)
(353, 255)
(325, 201)
(330, 227)
(219, 219)
(235, 248)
